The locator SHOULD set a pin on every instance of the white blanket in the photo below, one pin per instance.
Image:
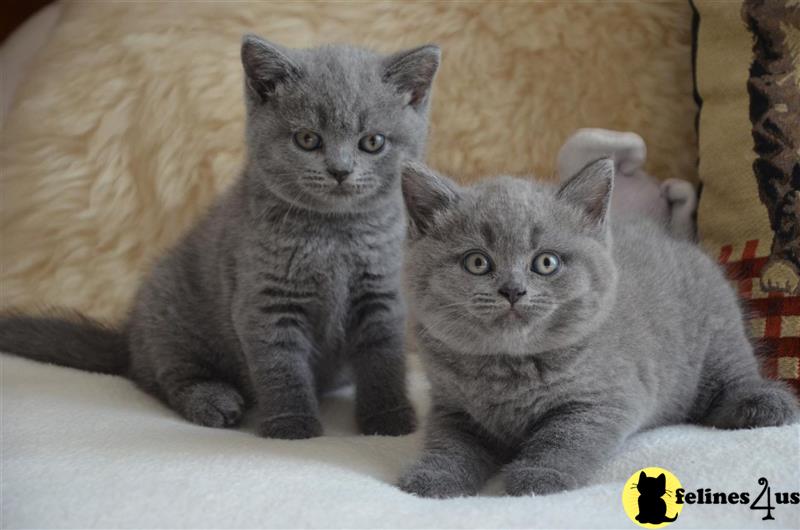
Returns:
(85, 450)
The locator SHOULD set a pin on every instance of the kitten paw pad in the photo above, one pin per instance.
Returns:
(290, 427)
(213, 404)
(395, 422)
(522, 481)
(433, 483)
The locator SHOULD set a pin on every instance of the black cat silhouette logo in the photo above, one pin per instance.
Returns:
(649, 497)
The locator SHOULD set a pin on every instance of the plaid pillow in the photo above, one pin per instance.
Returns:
(747, 83)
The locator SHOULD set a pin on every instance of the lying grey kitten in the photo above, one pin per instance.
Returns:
(548, 341)
(294, 273)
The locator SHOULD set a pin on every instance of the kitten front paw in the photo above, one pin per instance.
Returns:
(523, 480)
(436, 483)
(290, 427)
(395, 422)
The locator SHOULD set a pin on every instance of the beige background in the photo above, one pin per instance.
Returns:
(131, 120)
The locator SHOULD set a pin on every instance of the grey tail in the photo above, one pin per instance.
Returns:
(66, 339)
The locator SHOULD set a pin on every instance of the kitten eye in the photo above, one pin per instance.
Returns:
(476, 263)
(307, 140)
(546, 263)
(372, 143)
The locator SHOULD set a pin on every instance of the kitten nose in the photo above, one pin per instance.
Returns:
(512, 292)
(339, 174)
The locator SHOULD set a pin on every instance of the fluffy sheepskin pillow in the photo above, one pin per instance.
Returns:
(748, 80)
(131, 120)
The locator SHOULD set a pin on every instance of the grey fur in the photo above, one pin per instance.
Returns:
(292, 276)
(636, 330)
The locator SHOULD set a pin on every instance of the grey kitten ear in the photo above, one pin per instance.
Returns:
(590, 188)
(412, 72)
(265, 66)
(426, 195)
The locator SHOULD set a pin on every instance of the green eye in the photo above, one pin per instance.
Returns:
(546, 263)
(477, 263)
(372, 143)
(307, 140)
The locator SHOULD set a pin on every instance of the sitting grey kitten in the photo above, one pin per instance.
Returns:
(550, 336)
(294, 273)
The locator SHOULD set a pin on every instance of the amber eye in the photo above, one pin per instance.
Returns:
(546, 263)
(372, 143)
(477, 263)
(307, 140)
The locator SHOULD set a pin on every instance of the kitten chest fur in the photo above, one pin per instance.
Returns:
(514, 392)
(338, 262)
(329, 263)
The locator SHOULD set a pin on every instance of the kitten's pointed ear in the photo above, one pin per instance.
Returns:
(426, 195)
(412, 73)
(642, 476)
(590, 189)
(265, 66)
(662, 480)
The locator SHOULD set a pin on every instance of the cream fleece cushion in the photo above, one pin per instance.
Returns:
(131, 120)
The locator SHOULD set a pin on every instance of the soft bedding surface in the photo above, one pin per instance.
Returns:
(85, 450)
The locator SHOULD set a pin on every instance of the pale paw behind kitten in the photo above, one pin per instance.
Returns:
(550, 333)
(672, 202)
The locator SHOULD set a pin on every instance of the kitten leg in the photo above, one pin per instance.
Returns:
(738, 397)
(288, 407)
(192, 390)
(735, 395)
(566, 448)
(456, 460)
(754, 403)
(278, 350)
(184, 381)
(378, 360)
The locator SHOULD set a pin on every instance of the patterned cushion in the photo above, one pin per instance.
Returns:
(747, 79)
